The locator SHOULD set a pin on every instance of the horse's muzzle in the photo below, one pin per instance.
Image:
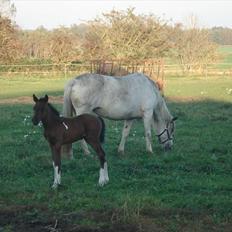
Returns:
(168, 146)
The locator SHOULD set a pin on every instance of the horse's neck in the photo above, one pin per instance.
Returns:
(163, 116)
(164, 111)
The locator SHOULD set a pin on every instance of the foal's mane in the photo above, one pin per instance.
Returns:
(53, 109)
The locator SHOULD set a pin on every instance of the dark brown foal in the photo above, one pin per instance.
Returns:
(59, 130)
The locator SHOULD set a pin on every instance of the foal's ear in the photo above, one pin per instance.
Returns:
(35, 98)
(46, 98)
(174, 119)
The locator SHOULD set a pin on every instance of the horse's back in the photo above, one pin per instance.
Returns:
(113, 97)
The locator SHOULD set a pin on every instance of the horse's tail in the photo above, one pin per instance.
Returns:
(103, 129)
(67, 105)
(67, 112)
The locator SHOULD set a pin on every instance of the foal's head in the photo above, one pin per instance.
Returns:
(40, 109)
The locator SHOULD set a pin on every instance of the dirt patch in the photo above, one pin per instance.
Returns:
(184, 99)
(40, 218)
(28, 100)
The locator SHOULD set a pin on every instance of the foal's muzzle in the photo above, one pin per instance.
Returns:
(35, 121)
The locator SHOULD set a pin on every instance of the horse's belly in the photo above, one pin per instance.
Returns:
(117, 114)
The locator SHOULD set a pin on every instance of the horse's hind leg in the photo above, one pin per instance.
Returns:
(67, 150)
(79, 111)
(96, 145)
(125, 133)
(84, 147)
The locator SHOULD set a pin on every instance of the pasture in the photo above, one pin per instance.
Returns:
(187, 189)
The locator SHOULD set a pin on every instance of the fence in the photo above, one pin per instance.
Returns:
(154, 69)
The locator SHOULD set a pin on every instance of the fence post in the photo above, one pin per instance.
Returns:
(65, 71)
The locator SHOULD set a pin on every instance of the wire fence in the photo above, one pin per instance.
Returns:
(158, 70)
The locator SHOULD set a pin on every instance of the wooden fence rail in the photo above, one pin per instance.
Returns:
(154, 69)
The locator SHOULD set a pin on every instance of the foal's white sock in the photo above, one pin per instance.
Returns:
(57, 176)
(103, 178)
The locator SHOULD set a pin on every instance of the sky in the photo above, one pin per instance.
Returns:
(54, 13)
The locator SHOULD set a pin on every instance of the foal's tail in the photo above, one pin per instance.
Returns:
(103, 129)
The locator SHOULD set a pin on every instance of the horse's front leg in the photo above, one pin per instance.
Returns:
(125, 133)
(147, 119)
(56, 157)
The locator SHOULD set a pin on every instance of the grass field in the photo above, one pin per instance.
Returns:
(187, 189)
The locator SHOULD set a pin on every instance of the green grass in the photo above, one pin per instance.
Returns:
(226, 52)
(21, 86)
(213, 88)
(187, 189)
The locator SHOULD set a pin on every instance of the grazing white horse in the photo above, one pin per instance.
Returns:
(126, 98)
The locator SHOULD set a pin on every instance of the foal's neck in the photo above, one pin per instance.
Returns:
(52, 119)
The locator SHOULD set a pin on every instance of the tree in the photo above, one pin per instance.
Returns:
(35, 43)
(63, 46)
(125, 35)
(7, 9)
(221, 35)
(9, 42)
(193, 48)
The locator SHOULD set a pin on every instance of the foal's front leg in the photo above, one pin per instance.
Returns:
(56, 157)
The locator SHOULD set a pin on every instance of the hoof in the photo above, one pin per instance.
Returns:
(103, 182)
(121, 152)
(55, 186)
(150, 152)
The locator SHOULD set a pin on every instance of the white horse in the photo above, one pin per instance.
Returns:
(120, 98)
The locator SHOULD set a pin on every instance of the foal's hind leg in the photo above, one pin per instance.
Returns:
(96, 145)
(125, 133)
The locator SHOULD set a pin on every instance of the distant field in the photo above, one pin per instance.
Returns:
(188, 189)
(217, 88)
(19, 86)
(226, 57)
(227, 52)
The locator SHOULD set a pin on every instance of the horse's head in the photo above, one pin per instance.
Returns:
(166, 136)
(39, 109)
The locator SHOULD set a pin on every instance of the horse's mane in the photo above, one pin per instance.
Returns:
(53, 109)
(164, 110)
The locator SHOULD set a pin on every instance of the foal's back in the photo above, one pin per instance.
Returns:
(84, 126)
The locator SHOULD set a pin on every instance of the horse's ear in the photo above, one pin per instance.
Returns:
(174, 119)
(35, 98)
(46, 98)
